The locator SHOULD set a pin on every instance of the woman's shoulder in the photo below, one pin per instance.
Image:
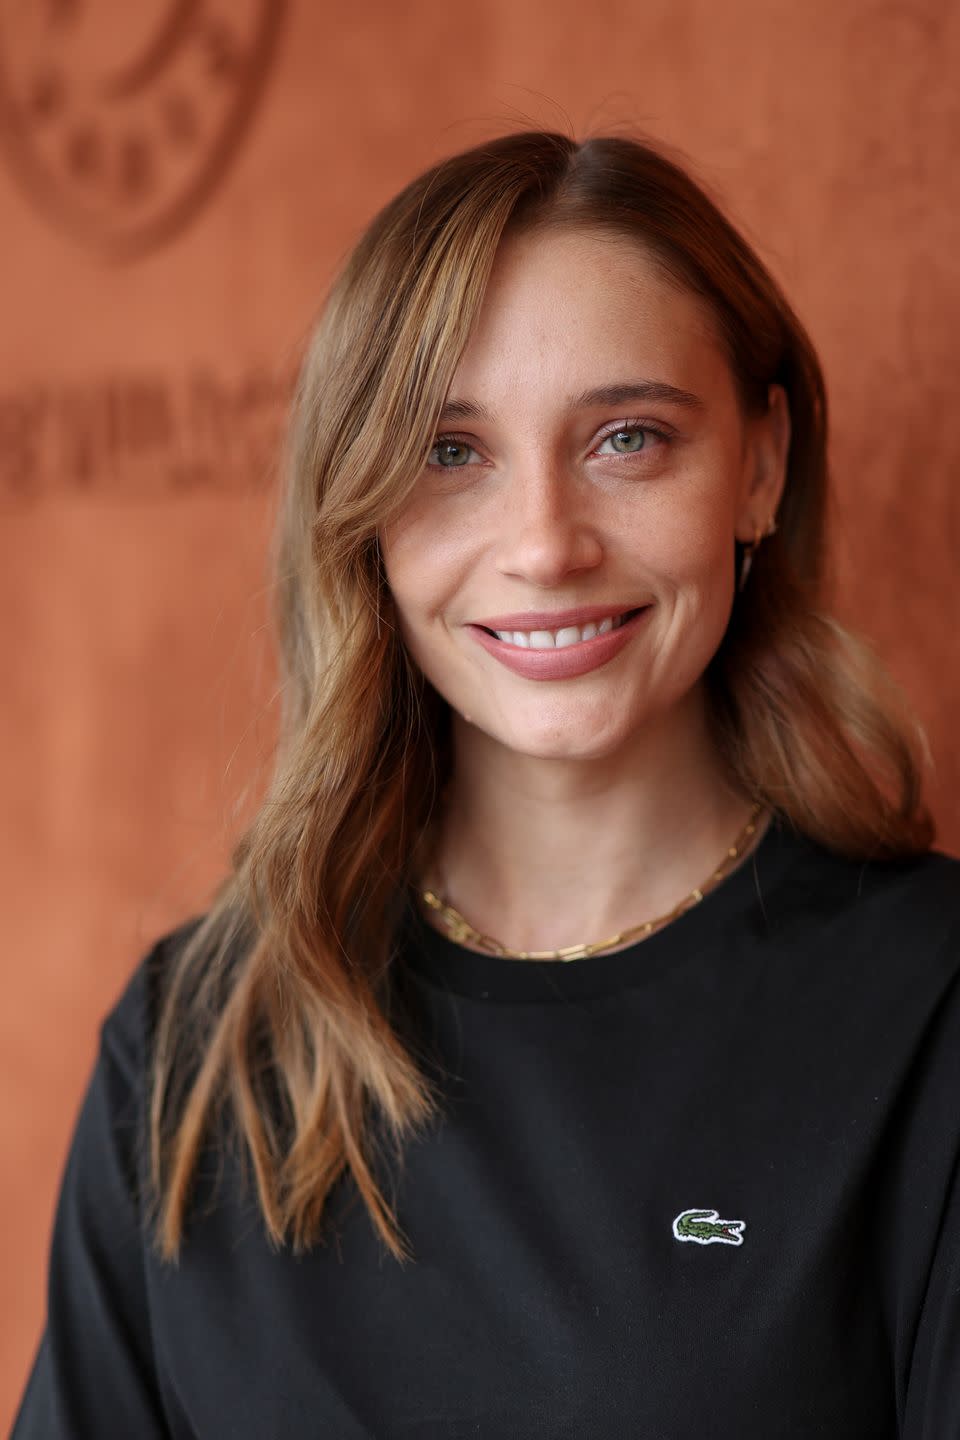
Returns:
(129, 1025)
(910, 882)
(909, 886)
(900, 914)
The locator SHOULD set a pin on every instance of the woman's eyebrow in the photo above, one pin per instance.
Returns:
(647, 391)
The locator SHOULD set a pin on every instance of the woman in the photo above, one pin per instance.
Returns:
(590, 936)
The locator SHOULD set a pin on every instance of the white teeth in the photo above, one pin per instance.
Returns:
(567, 635)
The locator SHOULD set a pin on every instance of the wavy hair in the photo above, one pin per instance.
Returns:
(277, 1009)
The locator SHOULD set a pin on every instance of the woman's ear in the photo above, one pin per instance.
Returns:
(765, 465)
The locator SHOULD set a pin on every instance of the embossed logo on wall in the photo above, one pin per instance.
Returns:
(120, 119)
(143, 435)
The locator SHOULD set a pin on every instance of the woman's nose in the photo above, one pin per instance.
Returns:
(545, 526)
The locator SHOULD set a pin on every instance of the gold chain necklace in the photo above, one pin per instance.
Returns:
(460, 930)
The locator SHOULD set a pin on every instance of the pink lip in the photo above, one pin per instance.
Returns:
(567, 662)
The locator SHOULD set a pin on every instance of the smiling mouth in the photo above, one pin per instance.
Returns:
(563, 636)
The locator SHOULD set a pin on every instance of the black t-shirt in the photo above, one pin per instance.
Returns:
(706, 1186)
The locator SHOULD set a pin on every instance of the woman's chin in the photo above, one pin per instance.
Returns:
(559, 741)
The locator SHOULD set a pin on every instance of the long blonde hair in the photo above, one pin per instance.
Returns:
(275, 1011)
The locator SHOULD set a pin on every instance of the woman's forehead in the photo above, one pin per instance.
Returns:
(575, 310)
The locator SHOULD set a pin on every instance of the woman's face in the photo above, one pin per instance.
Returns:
(551, 489)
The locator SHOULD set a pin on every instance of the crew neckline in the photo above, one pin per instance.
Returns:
(736, 902)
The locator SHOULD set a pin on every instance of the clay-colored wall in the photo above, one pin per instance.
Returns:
(170, 216)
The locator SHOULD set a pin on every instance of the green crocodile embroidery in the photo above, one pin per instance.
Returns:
(706, 1228)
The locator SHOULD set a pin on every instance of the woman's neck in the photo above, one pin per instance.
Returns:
(542, 853)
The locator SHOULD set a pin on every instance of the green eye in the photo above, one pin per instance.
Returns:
(451, 454)
(633, 439)
(636, 439)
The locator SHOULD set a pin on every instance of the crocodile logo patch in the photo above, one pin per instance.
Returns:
(705, 1227)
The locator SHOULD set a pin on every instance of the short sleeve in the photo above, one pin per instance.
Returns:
(93, 1374)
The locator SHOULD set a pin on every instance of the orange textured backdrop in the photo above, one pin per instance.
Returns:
(176, 184)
